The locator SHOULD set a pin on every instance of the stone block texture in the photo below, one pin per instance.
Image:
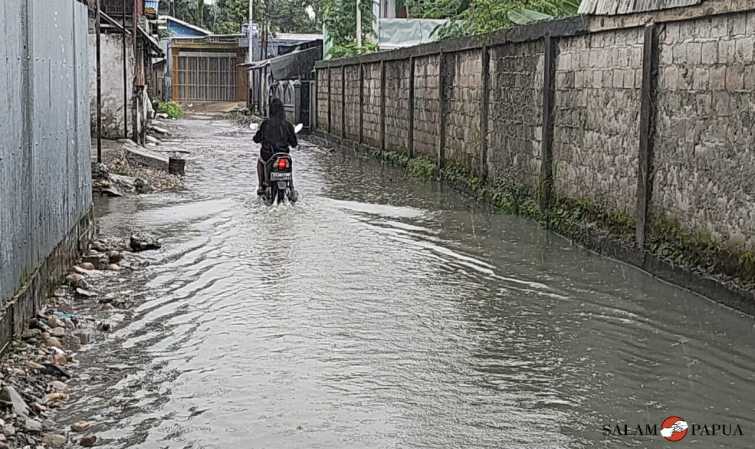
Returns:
(322, 100)
(515, 113)
(397, 105)
(596, 114)
(463, 91)
(371, 104)
(336, 118)
(426, 106)
(352, 102)
(705, 127)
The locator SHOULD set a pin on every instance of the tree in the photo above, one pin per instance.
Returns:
(339, 18)
(285, 16)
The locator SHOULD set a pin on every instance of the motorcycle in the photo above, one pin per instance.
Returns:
(279, 176)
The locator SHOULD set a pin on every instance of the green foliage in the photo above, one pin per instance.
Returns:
(471, 17)
(421, 168)
(284, 16)
(351, 49)
(339, 17)
(171, 108)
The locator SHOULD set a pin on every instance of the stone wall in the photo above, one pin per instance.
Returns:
(371, 104)
(597, 110)
(426, 106)
(463, 92)
(515, 117)
(322, 99)
(631, 124)
(352, 102)
(705, 132)
(396, 105)
(336, 118)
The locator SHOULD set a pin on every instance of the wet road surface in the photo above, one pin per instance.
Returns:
(383, 312)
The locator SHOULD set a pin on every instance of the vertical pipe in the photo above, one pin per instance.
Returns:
(546, 146)
(484, 111)
(410, 133)
(99, 85)
(125, 74)
(647, 129)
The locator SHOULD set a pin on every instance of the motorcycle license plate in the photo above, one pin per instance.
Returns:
(279, 176)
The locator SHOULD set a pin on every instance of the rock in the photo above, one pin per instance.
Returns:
(58, 385)
(59, 357)
(54, 321)
(88, 441)
(31, 333)
(81, 426)
(53, 440)
(51, 341)
(104, 326)
(10, 395)
(32, 425)
(111, 191)
(85, 293)
(114, 256)
(142, 186)
(60, 292)
(56, 396)
(55, 370)
(99, 260)
(58, 332)
(35, 366)
(162, 115)
(142, 241)
(76, 280)
(114, 267)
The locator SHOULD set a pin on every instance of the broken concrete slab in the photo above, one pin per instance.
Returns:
(147, 158)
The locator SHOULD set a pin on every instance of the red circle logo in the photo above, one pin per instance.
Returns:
(674, 428)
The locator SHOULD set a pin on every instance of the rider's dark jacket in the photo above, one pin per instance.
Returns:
(276, 135)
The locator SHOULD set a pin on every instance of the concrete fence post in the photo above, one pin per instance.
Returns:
(314, 107)
(546, 147)
(361, 103)
(410, 133)
(343, 101)
(484, 110)
(442, 100)
(330, 120)
(647, 129)
(382, 105)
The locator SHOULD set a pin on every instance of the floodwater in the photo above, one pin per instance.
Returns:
(384, 312)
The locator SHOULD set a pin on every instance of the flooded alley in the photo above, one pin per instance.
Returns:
(381, 311)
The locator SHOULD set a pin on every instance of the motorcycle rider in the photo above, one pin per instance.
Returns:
(276, 134)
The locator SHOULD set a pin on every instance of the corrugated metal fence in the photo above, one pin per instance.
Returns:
(45, 175)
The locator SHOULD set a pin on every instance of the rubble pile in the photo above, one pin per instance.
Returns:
(35, 370)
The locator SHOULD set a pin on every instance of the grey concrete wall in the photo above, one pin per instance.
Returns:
(111, 60)
(335, 102)
(45, 176)
(352, 102)
(705, 141)
(427, 106)
(371, 104)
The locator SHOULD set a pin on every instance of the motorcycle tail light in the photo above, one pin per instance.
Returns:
(282, 164)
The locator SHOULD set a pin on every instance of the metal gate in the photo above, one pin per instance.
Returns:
(206, 76)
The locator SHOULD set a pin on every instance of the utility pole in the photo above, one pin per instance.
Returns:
(359, 24)
(125, 74)
(249, 29)
(99, 88)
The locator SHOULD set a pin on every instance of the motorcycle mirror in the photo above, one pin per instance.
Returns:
(298, 128)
